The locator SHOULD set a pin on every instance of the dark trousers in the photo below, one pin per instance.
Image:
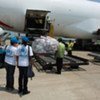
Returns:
(10, 69)
(59, 63)
(70, 52)
(23, 78)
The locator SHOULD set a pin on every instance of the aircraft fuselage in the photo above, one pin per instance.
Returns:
(76, 18)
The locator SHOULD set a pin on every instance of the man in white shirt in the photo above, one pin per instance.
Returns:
(24, 54)
(10, 63)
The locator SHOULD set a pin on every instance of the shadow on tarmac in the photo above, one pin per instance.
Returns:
(64, 69)
(15, 91)
(2, 88)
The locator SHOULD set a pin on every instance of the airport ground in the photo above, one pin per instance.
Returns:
(82, 84)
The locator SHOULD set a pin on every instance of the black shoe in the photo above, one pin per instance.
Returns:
(26, 92)
(11, 89)
(7, 88)
(20, 91)
(69, 69)
(58, 73)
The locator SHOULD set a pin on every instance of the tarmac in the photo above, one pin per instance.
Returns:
(83, 84)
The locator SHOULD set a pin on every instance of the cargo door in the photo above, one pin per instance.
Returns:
(35, 22)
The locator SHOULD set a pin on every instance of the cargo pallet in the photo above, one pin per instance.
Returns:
(96, 56)
(48, 61)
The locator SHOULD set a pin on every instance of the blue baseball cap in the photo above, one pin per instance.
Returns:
(24, 38)
(14, 40)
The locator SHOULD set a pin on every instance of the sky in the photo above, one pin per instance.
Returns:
(95, 0)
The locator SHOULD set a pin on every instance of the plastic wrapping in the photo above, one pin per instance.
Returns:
(45, 45)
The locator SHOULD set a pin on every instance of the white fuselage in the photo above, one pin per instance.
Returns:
(70, 18)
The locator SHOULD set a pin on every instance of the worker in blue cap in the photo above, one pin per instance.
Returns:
(24, 57)
(10, 63)
(14, 40)
(25, 39)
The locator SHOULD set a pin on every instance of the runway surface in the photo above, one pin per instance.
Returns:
(82, 84)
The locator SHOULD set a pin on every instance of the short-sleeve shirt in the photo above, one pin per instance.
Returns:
(60, 50)
(23, 55)
(10, 56)
(70, 46)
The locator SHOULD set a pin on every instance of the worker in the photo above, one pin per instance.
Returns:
(70, 45)
(24, 57)
(60, 55)
(1, 44)
(49, 26)
(1, 54)
(10, 63)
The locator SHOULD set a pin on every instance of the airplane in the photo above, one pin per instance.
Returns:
(1, 31)
(68, 18)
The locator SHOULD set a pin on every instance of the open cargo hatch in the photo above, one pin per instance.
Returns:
(36, 22)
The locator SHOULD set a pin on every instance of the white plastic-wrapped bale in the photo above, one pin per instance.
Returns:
(45, 45)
